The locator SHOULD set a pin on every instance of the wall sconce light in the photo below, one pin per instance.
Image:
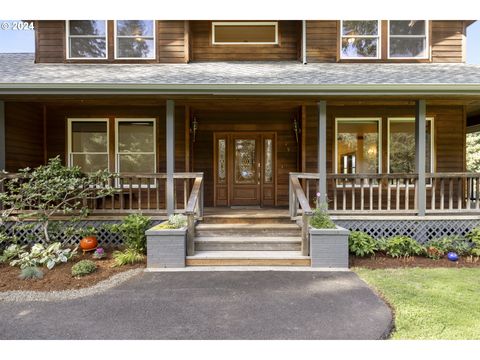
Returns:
(296, 128)
(194, 128)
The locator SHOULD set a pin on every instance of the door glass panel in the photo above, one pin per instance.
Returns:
(222, 164)
(245, 162)
(268, 161)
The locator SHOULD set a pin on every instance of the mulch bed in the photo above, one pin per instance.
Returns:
(60, 277)
(381, 261)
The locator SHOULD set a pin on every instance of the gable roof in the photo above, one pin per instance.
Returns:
(19, 74)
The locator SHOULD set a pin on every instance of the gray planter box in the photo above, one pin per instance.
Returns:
(166, 248)
(329, 247)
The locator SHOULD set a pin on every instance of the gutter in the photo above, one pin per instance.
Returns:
(239, 89)
(304, 42)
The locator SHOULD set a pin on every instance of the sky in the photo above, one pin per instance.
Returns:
(23, 41)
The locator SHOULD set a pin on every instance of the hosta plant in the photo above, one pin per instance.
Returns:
(12, 252)
(31, 272)
(39, 255)
(361, 244)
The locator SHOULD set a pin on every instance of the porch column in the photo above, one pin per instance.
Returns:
(420, 149)
(170, 140)
(322, 150)
(2, 135)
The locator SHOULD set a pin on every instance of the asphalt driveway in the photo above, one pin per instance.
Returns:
(210, 305)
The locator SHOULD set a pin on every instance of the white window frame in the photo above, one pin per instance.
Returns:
(115, 36)
(432, 140)
(378, 37)
(68, 37)
(359, 119)
(244, 23)
(69, 136)
(427, 43)
(154, 153)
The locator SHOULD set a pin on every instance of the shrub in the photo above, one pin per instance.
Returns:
(321, 219)
(456, 244)
(39, 255)
(128, 256)
(52, 189)
(133, 230)
(361, 244)
(83, 267)
(434, 253)
(31, 272)
(176, 221)
(475, 252)
(403, 246)
(382, 244)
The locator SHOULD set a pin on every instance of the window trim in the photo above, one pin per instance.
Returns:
(432, 141)
(378, 37)
(427, 43)
(70, 153)
(359, 119)
(245, 23)
(115, 42)
(67, 45)
(117, 153)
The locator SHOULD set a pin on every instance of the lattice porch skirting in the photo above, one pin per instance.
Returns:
(105, 238)
(421, 229)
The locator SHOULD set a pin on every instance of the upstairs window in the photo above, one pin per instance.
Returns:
(135, 39)
(407, 39)
(360, 39)
(237, 33)
(86, 39)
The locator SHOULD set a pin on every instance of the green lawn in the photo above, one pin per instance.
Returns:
(430, 303)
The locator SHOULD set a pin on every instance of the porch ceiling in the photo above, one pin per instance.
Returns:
(20, 75)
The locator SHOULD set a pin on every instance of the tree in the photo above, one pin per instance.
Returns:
(52, 190)
(473, 152)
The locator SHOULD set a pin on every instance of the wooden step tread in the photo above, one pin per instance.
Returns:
(247, 255)
(246, 226)
(248, 239)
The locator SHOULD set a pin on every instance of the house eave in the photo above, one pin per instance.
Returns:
(241, 89)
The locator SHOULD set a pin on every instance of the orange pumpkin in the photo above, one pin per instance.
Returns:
(88, 243)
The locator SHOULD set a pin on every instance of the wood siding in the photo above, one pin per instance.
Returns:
(447, 42)
(23, 135)
(288, 47)
(171, 43)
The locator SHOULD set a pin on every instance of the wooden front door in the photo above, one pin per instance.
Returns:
(244, 169)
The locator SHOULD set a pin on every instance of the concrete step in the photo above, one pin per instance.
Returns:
(247, 258)
(242, 230)
(249, 243)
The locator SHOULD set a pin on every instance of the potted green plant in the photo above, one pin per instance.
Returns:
(166, 243)
(328, 242)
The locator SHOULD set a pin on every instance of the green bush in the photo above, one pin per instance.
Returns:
(83, 267)
(31, 272)
(455, 243)
(50, 256)
(321, 219)
(403, 246)
(128, 256)
(361, 244)
(434, 253)
(382, 244)
(133, 230)
(12, 252)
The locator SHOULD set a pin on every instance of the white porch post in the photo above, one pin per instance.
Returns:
(2, 135)
(170, 141)
(420, 149)
(322, 150)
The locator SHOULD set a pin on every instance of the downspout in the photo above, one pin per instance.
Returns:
(304, 42)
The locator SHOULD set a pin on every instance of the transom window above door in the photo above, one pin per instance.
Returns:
(134, 39)
(242, 32)
(86, 39)
(360, 39)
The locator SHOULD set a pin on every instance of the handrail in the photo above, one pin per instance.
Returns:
(297, 197)
(194, 205)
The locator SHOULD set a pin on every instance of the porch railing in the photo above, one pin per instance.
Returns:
(391, 193)
(144, 193)
(298, 200)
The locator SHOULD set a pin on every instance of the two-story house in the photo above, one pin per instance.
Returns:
(368, 116)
